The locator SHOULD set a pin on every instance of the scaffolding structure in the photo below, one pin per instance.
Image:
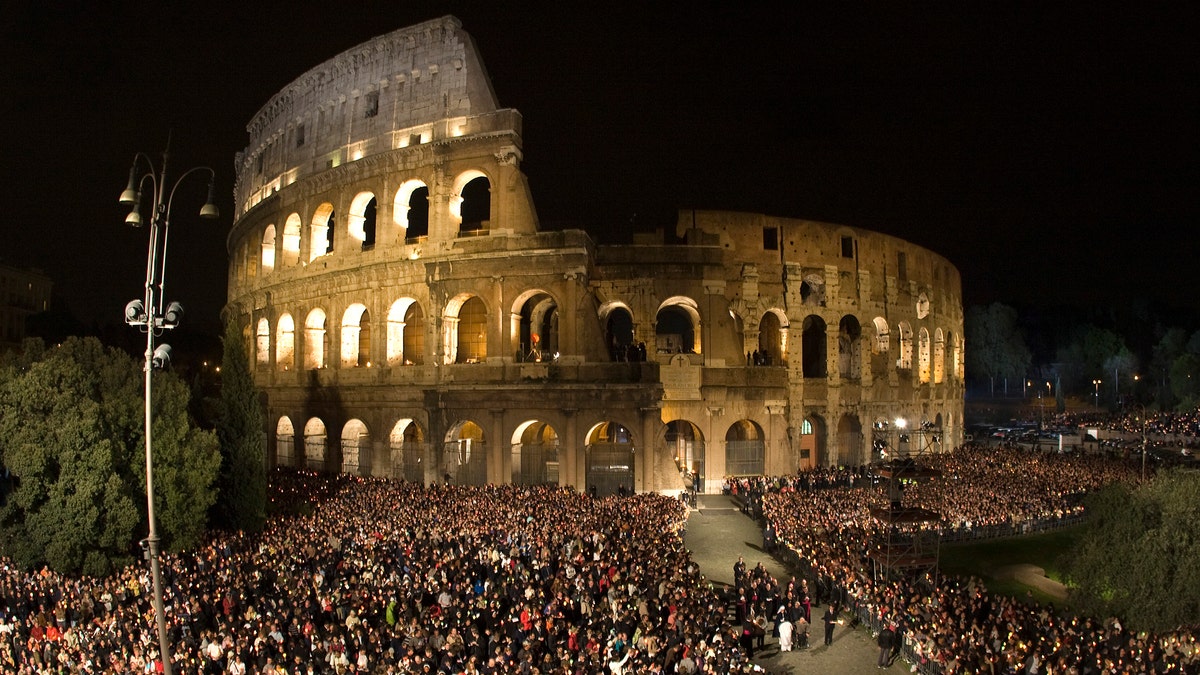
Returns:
(909, 542)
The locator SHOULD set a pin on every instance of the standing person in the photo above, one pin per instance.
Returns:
(886, 638)
(785, 634)
(830, 621)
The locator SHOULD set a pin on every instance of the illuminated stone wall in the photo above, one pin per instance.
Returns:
(407, 317)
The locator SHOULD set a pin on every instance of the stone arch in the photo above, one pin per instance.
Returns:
(617, 319)
(320, 232)
(356, 448)
(464, 454)
(314, 339)
(356, 337)
(533, 330)
(923, 355)
(406, 451)
(470, 201)
(268, 250)
(745, 449)
(361, 222)
(773, 338)
(849, 354)
(314, 444)
(251, 256)
(906, 346)
(850, 441)
(410, 209)
(956, 357)
(405, 333)
(534, 454)
(922, 306)
(684, 441)
(285, 342)
(939, 357)
(611, 457)
(812, 291)
(813, 345)
(262, 342)
(882, 338)
(677, 326)
(291, 241)
(464, 329)
(285, 442)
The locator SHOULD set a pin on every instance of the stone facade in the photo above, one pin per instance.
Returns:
(407, 317)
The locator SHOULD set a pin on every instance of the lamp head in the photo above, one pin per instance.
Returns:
(173, 316)
(162, 357)
(134, 219)
(130, 195)
(209, 210)
(135, 313)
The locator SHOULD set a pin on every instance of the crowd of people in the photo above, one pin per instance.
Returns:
(376, 576)
(956, 624)
(392, 577)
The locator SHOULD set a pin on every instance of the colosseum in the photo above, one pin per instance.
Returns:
(406, 316)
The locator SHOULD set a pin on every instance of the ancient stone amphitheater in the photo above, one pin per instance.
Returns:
(406, 316)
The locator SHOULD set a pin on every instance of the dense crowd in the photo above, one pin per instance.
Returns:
(390, 577)
(956, 624)
(1181, 426)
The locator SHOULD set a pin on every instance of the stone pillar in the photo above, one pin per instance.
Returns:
(499, 452)
(568, 457)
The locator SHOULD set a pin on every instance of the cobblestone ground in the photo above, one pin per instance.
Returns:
(717, 533)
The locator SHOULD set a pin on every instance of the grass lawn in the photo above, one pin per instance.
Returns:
(981, 559)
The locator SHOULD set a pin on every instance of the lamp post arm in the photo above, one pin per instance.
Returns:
(166, 225)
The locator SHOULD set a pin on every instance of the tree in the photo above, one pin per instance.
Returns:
(72, 434)
(243, 481)
(996, 347)
(1139, 556)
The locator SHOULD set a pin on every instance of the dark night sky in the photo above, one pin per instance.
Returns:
(1049, 150)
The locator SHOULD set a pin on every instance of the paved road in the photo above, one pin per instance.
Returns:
(717, 533)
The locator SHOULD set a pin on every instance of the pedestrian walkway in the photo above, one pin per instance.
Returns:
(717, 533)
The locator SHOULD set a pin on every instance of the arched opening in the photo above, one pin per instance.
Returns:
(476, 205)
(923, 355)
(356, 337)
(882, 339)
(939, 357)
(464, 455)
(470, 330)
(320, 232)
(285, 343)
(535, 454)
(405, 333)
(812, 291)
(262, 342)
(850, 441)
(356, 448)
(618, 334)
(537, 328)
(314, 340)
(849, 355)
(812, 345)
(361, 222)
(251, 259)
(610, 460)
(676, 327)
(906, 346)
(285, 442)
(406, 445)
(314, 445)
(410, 211)
(291, 241)
(268, 250)
(745, 450)
(772, 341)
(685, 442)
(956, 360)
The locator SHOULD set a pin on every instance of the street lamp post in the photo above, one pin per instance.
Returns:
(1142, 410)
(152, 318)
(1096, 384)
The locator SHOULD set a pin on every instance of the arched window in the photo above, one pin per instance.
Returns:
(923, 354)
(906, 346)
(361, 222)
(939, 357)
(268, 250)
(320, 232)
(285, 343)
(262, 343)
(314, 339)
(291, 241)
(356, 337)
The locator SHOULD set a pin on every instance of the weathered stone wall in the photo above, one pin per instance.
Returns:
(393, 343)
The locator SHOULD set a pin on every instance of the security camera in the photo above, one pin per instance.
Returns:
(162, 357)
(135, 313)
(173, 316)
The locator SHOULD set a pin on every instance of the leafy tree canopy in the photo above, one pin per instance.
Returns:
(72, 436)
(1139, 558)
